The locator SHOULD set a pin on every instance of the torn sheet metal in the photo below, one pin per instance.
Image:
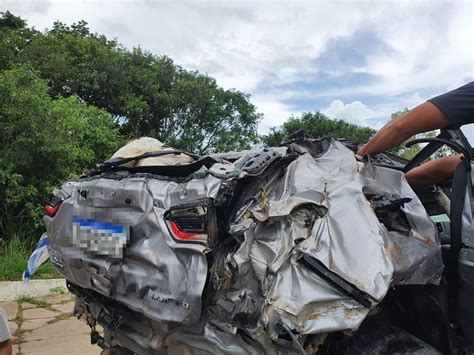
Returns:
(300, 250)
(157, 276)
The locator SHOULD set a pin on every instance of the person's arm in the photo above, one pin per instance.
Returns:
(434, 172)
(423, 118)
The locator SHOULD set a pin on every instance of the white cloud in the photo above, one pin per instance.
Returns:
(429, 50)
(274, 112)
(354, 112)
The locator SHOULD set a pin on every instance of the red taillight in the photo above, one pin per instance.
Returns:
(52, 205)
(51, 210)
(186, 236)
(193, 224)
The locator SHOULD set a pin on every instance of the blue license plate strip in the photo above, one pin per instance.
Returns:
(98, 237)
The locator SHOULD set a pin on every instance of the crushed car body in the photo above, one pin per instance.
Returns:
(262, 251)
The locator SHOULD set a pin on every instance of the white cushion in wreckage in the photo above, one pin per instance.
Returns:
(147, 144)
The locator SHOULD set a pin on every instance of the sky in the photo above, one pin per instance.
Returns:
(358, 61)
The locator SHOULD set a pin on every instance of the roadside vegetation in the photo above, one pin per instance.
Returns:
(38, 302)
(58, 290)
(14, 255)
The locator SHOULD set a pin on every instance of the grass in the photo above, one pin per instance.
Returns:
(38, 302)
(59, 290)
(14, 256)
(19, 315)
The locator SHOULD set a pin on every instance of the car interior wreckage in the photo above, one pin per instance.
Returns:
(305, 248)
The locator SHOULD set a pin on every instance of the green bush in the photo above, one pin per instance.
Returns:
(43, 141)
(14, 256)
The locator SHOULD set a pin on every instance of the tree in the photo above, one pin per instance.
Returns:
(8, 20)
(42, 143)
(14, 38)
(146, 94)
(316, 125)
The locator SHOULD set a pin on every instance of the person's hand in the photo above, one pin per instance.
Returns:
(362, 152)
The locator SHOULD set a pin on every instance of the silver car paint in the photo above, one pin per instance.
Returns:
(317, 207)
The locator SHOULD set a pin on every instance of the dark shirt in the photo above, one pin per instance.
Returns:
(457, 105)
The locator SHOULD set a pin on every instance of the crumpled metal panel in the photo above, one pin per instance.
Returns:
(343, 233)
(347, 238)
(260, 297)
(416, 257)
(158, 276)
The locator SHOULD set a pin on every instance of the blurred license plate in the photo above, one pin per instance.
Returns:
(101, 238)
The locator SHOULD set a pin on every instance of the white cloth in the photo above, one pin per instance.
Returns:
(38, 257)
(147, 144)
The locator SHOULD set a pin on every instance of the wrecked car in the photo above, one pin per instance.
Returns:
(303, 248)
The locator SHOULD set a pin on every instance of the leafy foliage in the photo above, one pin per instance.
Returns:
(148, 95)
(44, 142)
(316, 125)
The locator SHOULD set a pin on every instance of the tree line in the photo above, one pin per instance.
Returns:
(69, 98)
